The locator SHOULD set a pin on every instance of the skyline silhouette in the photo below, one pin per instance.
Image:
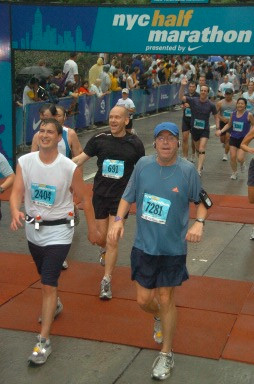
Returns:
(48, 38)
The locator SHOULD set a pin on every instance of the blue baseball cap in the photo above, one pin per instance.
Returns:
(170, 127)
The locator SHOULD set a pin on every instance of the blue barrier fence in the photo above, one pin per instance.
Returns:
(92, 109)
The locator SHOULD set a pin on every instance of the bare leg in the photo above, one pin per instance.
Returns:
(185, 144)
(233, 163)
(167, 316)
(49, 302)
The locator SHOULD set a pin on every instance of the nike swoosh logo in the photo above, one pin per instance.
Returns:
(194, 48)
(36, 125)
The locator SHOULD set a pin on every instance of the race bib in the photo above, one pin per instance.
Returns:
(42, 194)
(199, 124)
(187, 112)
(155, 209)
(249, 107)
(238, 126)
(227, 113)
(113, 168)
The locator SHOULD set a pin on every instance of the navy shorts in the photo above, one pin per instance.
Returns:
(251, 174)
(186, 124)
(49, 261)
(234, 142)
(157, 271)
(198, 133)
(105, 206)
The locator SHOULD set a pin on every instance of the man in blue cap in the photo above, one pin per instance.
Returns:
(162, 186)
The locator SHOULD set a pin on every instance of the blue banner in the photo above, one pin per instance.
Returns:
(186, 30)
(151, 99)
(102, 105)
(169, 30)
(6, 137)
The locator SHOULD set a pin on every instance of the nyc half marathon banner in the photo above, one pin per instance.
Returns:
(168, 30)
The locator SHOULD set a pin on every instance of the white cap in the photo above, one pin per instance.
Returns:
(125, 90)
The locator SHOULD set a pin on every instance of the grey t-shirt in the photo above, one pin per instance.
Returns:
(5, 168)
(200, 112)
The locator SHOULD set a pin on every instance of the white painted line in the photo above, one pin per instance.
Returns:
(91, 176)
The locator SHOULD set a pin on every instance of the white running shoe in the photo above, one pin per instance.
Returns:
(233, 176)
(162, 366)
(106, 292)
(102, 256)
(59, 309)
(252, 234)
(65, 265)
(243, 167)
(157, 332)
(225, 157)
(41, 351)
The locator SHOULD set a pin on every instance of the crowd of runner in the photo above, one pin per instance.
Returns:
(162, 185)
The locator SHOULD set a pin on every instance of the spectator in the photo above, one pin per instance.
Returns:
(105, 78)
(84, 89)
(96, 88)
(95, 71)
(71, 69)
(114, 82)
(30, 93)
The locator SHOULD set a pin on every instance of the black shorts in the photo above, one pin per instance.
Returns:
(250, 182)
(157, 271)
(105, 206)
(49, 261)
(186, 125)
(233, 142)
(222, 125)
(198, 133)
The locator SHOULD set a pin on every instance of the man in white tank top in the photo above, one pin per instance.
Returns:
(45, 180)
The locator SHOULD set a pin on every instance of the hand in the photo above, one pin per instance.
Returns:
(116, 230)
(184, 81)
(217, 133)
(195, 232)
(17, 219)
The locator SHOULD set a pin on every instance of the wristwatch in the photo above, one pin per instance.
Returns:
(1, 190)
(200, 220)
(118, 218)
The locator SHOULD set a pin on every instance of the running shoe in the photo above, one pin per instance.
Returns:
(59, 309)
(233, 176)
(243, 167)
(252, 234)
(102, 256)
(162, 366)
(225, 157)
(177, 108)
(41, 351)
(157, 332)
(65, 265)
(199, 172)
(105, 293)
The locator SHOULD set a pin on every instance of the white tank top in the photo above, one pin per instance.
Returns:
(47, 194)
